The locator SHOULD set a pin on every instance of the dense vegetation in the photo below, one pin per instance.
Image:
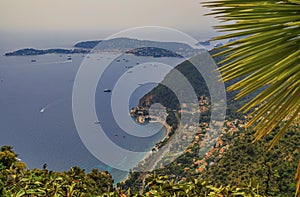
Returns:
(272, 171)
(245, 168)
(16, 180)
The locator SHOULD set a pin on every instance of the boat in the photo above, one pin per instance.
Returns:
(106, 90)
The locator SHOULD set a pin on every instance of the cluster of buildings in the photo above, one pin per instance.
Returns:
(220, 145)
(193, 134)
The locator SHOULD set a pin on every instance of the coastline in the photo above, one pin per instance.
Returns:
(158, 155)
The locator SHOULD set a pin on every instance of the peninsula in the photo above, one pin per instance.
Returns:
(31, 51)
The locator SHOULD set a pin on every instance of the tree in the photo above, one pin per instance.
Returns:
(7, 156)
(265, 57)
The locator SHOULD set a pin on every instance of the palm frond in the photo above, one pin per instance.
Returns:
(267, 57)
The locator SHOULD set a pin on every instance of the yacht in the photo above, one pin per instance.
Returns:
(106, 90)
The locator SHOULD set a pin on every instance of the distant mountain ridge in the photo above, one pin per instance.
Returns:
(124, 45)
(87, 44)
(134, 46)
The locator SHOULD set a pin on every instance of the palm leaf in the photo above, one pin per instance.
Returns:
(267, 57)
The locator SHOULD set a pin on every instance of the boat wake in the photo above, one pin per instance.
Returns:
(60, 62)
(52, 104)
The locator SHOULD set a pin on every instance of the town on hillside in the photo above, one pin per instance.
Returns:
(193, 136)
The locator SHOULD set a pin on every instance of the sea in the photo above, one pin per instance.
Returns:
(36, 116)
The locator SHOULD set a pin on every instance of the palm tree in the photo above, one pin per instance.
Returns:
(267, 57)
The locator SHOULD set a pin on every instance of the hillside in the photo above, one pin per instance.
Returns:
(242, 164)
(234, 160)
(246, 162)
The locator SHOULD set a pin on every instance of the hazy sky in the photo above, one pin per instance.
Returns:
(94, 18)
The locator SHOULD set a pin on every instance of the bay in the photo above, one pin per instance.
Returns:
(36, 110)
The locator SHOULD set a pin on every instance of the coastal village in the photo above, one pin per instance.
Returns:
(185, 140)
